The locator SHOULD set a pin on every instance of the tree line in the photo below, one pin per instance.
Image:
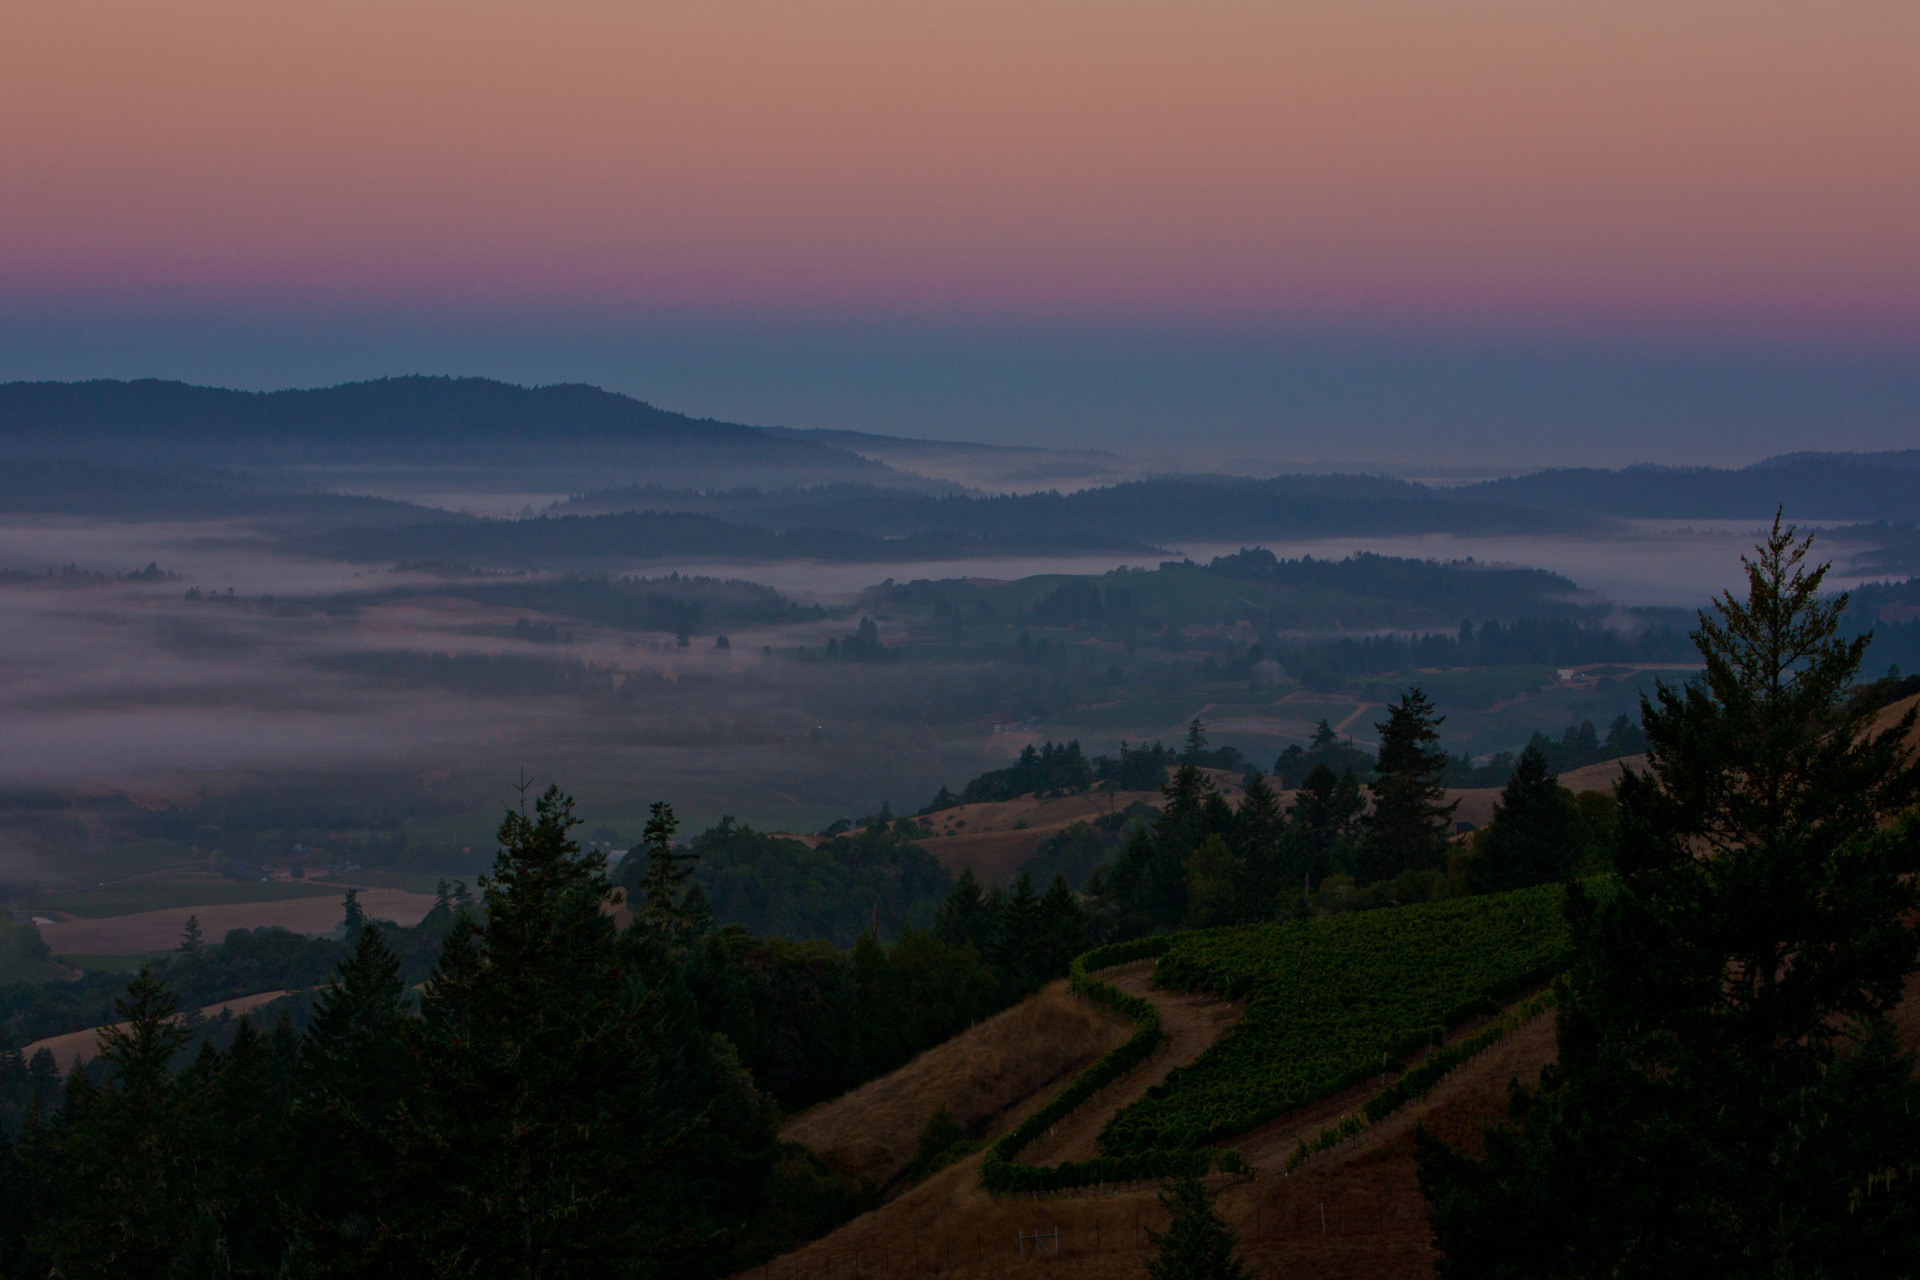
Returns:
(562, 1093)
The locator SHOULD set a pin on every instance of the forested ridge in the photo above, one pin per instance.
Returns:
(518, 1085)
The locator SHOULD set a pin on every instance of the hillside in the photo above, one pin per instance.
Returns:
(1354, 1210)
(465, 422)
(985, 1077)
(1808, 486)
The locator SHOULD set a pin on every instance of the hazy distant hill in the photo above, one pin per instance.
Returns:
(1213, 508)
(68, 487)
(1831, 486)
(414, 420)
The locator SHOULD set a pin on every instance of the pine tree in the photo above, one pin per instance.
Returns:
(190, 937)
(1409, 823)
(1017, 949)
(1062, 928)
(1259, 828)
(354, 917)
(1195, 750)
(356, 1075)
(128, 1175)
(1196, 1244)
(253, 1156)
(964, 919)
(573, 1117)
(1323, 827)
(666, 876)
(1532, 837)
(1730, 1098)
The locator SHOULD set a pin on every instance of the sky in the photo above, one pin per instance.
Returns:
(1550, 230)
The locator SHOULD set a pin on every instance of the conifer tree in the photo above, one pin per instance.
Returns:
(1533, 833)
(190, 937)
(253, 1156)
(1062, 928)
(357, 1074)
(1259, 827)
(354, 917)
(1323, 826)
(127, 1180)
(1730, 1098)
(1409, 823)
(1196, 1245)
(964, 919)
(1195, 748)
(1018, 948)
(573, 1117)
(668, 870)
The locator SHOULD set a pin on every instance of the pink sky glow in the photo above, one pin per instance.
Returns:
(1716, 165)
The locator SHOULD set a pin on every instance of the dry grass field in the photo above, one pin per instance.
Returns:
(160, 930)
(84, 1046)
(1355, 1211)
(985, 1076)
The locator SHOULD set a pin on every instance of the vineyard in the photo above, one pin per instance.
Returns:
(1333, 1001)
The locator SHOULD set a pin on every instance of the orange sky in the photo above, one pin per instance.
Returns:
(1724, 165)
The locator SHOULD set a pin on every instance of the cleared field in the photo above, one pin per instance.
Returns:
(160, 930)
(982, 1076)
(120, 900)
(84, 1046)
(994, 839)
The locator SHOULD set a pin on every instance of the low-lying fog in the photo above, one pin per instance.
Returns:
(135, 686)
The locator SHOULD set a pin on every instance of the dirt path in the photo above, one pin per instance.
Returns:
(1191, 1022)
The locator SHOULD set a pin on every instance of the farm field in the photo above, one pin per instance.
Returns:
(160, 930)
(1332, 1001)
(120, 900)
(1354, 1211)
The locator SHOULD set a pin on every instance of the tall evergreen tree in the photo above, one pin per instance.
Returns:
(1323, 829)
(965, 919)
(1729, 1098)
(1259, 828)
(1196, 1244)
(357, 1075)
(573, 1117)
(1062, 928)
(1020, 943)
(1534, 831)
(128, 1183)
(1409, 823)
(252, 1153)
(667, 872)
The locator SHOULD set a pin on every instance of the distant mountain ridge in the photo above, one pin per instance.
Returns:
(418, 420)
(1808, 486)
(416, 405)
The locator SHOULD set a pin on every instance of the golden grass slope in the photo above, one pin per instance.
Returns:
(983, 1076)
